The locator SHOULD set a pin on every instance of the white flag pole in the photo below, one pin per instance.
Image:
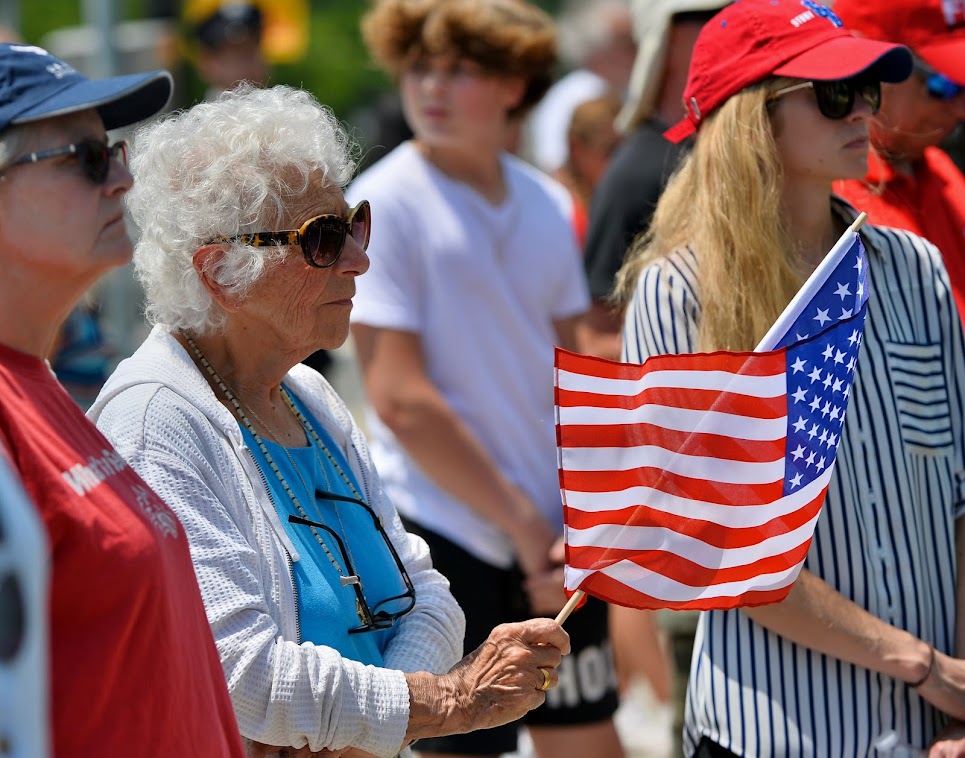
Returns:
(813, 283)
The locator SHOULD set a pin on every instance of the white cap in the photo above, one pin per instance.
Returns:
(652, 20)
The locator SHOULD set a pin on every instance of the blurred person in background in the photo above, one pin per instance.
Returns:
(596, 45)
(133, 667)
(476, 275)
(911, 182)
(629, 189)
(955, 147)
(591, 141)
(227, 45)
(335, 631)
(863, 656)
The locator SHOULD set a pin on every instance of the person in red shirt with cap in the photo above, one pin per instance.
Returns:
(911, 182)
(133, 665)
(861, 657)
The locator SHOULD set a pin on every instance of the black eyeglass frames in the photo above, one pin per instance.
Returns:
(383, 614)
(93, 155)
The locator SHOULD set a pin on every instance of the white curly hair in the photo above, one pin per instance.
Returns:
(224, 168)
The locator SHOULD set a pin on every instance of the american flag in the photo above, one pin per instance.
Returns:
(695, 481)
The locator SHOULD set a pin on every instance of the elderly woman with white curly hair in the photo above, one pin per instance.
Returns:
(335, 633)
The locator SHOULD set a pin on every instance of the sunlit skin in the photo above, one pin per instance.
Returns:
(458, 113)
(910, 120)
(52, 215)
(817, 150)
(814, 151)
(233, 62)
(57, 228)
(295, 307)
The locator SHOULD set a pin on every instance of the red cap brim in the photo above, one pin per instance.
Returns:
(947, 57)
(680, 131)
(846, 56)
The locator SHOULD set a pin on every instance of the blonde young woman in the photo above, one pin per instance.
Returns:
(861, 657)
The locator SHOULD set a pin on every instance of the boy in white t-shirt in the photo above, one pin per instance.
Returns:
(475, 276)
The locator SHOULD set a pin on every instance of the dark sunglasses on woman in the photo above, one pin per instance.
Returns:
(93, 155)
(322, 238)
(836, 99)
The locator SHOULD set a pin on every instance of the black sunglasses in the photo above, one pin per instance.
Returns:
(322, 238)
(386, 612)
(836, 99)
(93, 155)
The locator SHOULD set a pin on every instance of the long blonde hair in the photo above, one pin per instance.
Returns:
(724, 202)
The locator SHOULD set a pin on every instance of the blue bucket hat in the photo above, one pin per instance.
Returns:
(35, 85)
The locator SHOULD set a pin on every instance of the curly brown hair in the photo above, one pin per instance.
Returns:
(505, 37)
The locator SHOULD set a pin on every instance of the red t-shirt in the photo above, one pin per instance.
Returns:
(930, 203)
(134, 668)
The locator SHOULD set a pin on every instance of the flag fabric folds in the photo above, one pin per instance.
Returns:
(695, 481)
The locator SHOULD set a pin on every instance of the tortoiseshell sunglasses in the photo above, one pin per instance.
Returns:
(322, 238)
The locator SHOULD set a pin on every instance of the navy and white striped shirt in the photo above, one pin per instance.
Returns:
(885, 538)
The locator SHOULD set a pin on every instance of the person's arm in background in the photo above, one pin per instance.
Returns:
(566, 332)
(399, 387)
(599, 331)
(545, 588)
(622, 205)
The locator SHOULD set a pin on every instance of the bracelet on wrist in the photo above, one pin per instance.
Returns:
(931, 667)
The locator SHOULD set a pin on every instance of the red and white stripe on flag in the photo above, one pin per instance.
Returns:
(673, 479)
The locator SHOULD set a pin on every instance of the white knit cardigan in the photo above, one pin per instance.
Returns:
(165, 420)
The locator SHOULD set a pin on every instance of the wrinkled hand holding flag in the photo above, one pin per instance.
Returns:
(695, 481)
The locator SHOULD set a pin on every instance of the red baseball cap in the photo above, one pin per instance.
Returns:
(933, 29)
(750, 40)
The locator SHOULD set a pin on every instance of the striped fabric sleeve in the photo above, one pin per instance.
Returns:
(663, 315)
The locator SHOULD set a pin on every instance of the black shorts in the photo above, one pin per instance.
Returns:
(489, 596)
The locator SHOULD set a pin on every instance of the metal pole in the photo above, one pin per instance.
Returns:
(101, 16)
(10, 14)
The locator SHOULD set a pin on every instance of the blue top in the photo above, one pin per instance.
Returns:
(327, 610)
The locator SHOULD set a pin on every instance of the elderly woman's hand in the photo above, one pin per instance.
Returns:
(497, 683)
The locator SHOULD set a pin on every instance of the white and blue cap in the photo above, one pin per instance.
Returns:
(35, 85)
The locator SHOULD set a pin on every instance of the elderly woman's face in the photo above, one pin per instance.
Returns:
(53, 218)
(303, 307)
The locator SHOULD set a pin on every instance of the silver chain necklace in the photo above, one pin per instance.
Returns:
(344, 578)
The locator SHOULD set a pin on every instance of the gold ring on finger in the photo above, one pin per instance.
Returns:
(547, 679)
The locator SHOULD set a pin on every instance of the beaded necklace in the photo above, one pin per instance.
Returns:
(344, 579)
